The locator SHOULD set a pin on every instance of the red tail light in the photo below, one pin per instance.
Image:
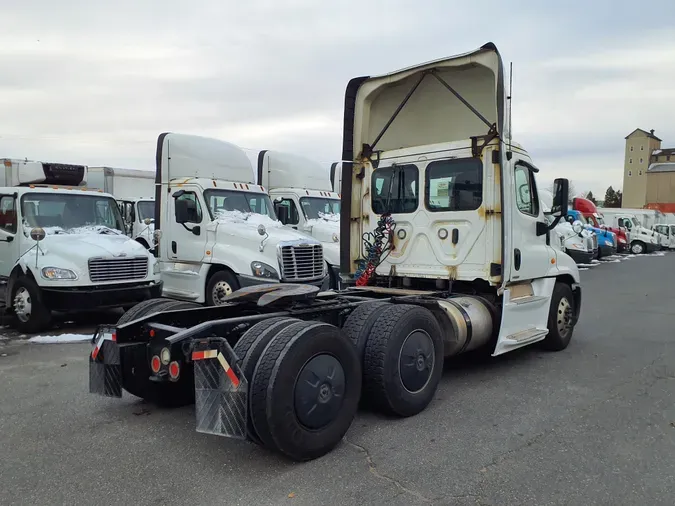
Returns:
(174, 370)
(155, 364)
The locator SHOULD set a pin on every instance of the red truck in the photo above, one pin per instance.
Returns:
(595, 219)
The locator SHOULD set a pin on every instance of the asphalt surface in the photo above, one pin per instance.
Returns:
(594, 424)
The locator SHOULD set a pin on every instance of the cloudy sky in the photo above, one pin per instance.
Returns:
(90, 84)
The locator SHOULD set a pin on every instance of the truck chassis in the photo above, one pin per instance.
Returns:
(286, 366)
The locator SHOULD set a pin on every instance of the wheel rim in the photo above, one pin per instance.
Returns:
(22, 305)
(637, 248)
(220, 290)
(416, 361)
(564, 317)
(319, 391)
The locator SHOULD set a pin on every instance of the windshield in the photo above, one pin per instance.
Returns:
(67, 212)
(146, 209)
(222, 202)
(319, 207)
(600, 220)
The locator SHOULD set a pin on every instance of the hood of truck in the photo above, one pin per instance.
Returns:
(323, 230)
(74, 250)
(433, 114)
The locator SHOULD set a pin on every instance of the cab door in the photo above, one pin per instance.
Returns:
(9, 242)
(186, 244)
(528, 290)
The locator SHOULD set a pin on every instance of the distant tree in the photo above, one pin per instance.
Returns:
(590, 197)
(619, 198)
(611, 198)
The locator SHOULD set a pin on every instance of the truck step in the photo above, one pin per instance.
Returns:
(527, 299)
(526, 336)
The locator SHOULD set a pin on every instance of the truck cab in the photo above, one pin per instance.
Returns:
(668, 232)
(63, 247)
(440, 175)
(304, 200)
(589, 211)
(571, 238)
(134, 190)
(217, 230)
(607, 240)
(642, 240)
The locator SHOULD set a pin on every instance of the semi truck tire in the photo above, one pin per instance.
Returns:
(360, 322)
(249, 348)
(403, 361)
(31, 315)
(637, 247)
(139, 310)
(306, 389)
(220, 285)
(136, 371)
(560, 319)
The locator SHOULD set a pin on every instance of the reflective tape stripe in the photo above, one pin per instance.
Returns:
(202, 355)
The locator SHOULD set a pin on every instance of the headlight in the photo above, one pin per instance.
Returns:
(622, 240)
(578, 246)
(261, 270)
(336, 238)
(57, 273)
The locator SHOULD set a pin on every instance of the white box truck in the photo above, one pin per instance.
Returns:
(134, 190)
(304, 200)
(63, 247)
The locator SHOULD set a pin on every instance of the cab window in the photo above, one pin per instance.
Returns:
(394, 189)
(8, 214)
(454, 185)
(194, 209)
(526, 191)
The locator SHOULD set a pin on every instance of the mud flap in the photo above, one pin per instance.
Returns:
(221, 390)
(105, 370)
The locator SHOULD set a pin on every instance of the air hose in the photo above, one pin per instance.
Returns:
(376, 245)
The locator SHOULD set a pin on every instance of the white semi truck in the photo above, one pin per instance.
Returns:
(217, 229)
(63, 247)
(134, 190)
(304, 200)
(642, 240)
(444, 247)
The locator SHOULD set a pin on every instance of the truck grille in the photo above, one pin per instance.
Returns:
(117, 269)
(592, 242)
(301, 262)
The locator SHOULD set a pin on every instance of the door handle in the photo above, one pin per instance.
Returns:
(173, 246)
(516, 259)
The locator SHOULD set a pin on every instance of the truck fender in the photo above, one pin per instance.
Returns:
(18, 270)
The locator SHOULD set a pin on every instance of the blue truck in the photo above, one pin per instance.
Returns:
(607, 242)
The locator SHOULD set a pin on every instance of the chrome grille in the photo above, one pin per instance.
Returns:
(301, 262)
(117, 269)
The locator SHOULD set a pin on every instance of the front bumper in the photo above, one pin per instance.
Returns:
(244, 281)
(606, 250)
(103, 296)
(581, 257)
(621, 247)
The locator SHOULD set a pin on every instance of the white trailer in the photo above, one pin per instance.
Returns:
(65, 250)
(134, 190)
(304, 200)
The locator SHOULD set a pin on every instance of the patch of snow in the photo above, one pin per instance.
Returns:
(584, 269)
(595, 261)
(86, 230)
(617, 261)
(586, 265)
(253, 219)
(60, 339)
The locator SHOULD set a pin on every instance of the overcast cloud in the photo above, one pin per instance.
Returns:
(90, 84)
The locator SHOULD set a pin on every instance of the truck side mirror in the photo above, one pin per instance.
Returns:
(181, 211)
(282, 213)
(561, 191)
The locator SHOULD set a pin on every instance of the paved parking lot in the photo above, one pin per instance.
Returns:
(594, 424)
